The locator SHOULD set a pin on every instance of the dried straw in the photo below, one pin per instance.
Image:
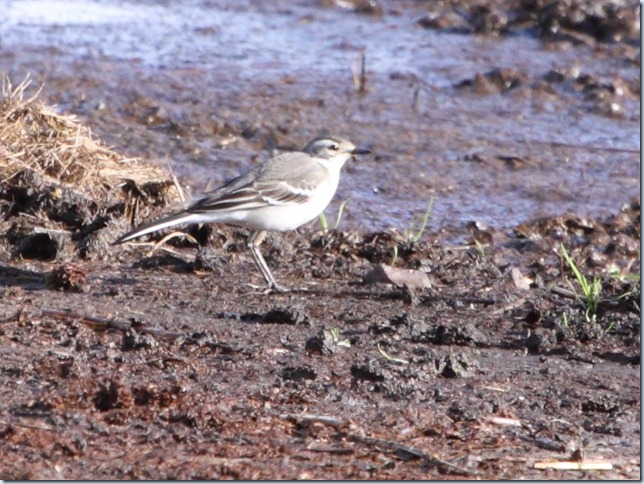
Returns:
(56, 146)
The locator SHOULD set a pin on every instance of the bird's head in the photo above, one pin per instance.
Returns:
(333, 148)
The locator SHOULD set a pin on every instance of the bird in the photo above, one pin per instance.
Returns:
(282, 194)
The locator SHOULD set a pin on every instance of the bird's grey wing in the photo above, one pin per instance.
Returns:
(215, 199)
(283, 181)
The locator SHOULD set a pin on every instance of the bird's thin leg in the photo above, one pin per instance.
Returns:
(254, 239)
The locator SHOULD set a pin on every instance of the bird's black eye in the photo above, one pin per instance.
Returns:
(334, 147)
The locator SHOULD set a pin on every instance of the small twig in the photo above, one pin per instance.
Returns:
(585, 147)
(416, 96)
(503, 421)
(390, 446)
(395, 294)
(363, 72)
(574, 466)
(322, 419)
(45, 230)
(562, 421)
(340, 210)
(182, 196)
(154, 247)
(494, 389)
(101, 323)
(410, 453)
(359, 70)
(330, 450)
(560, 291)
(29, 426)
(169, 237)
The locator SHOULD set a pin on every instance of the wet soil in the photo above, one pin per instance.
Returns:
(171, 365)
(174, 363)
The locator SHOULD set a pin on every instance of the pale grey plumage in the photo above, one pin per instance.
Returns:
(282, 194)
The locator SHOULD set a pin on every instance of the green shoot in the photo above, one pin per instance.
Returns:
(590, 290)
(335, 336)
(324, 223)
(400, 361)
(629, 277)
(480, 247)
(423, 224)
(395, 258)
(340, 211)
(627, 294)
(622, 275)
(410, 237)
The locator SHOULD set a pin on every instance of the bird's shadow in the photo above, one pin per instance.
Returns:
(170, 262)
(12, 277)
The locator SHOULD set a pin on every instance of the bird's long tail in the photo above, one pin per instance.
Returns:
(179, 218)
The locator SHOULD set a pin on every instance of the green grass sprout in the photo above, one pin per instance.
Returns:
(340, 212)
(423, 224)
(591, 290)
(400, 361)
(324, 222)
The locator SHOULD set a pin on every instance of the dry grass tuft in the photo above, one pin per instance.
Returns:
(35, 136)
(55, 174)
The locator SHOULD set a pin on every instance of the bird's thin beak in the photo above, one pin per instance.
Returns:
(360, 151)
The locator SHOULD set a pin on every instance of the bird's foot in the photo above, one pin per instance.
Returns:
(272, 289)
(277, 288)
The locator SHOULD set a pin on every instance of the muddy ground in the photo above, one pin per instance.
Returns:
(338, 380)
(171, 362)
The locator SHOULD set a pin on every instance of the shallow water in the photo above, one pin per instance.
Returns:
(285, 68)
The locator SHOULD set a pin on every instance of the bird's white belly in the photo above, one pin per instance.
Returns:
(280, 218)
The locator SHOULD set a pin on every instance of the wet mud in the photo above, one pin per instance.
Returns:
(171, 365)
(469, 353)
